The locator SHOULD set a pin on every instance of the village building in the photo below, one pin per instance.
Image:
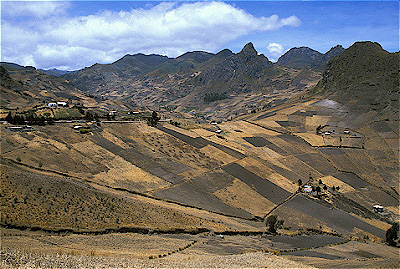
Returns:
(51, 104)
(307, 188)
(63, 104)
(26, 128)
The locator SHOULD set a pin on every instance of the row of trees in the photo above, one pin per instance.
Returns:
(31, 119)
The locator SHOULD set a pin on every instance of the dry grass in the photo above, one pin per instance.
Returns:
(240, 195)
(23, 259)
(35, 200)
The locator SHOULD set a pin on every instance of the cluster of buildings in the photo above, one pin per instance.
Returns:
(26, 128)
(57, 104)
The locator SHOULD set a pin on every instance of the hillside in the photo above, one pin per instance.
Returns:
(26, 87)
(365, 75)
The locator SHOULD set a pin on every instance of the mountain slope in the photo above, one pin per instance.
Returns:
(364, 72)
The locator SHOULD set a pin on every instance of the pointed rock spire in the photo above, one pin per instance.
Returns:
(248, 52)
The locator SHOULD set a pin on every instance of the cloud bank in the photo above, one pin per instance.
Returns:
(48, 37)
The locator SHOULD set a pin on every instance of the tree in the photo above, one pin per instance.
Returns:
(41, 121)
(89, 116)
(50, 121)
(9, 117)
(319, 129)
(153, 120)
(19, 120)
(273, 223)
(392, 235)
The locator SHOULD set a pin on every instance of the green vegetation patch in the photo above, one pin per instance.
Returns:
(62, 113)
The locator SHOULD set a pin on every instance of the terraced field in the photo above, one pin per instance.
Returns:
(190, 179)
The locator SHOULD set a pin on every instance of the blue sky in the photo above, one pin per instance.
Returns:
(72, 35)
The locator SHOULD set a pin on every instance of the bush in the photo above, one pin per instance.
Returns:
(273, 223)
(392, 235)
(84, 130)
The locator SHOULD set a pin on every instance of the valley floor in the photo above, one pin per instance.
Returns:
(28, 249)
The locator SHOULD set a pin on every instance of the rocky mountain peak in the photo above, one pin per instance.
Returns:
(225, 53)
(333, 52)
(366, 47)
(248, 51)
(302, 57)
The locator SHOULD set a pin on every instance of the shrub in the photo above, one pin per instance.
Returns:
(273, 223)
(392, 235)
(84, 130)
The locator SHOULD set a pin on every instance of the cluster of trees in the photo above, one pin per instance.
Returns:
(153, 120)
(175, 123)
(214, 96)
(91, 116)
(31, 119)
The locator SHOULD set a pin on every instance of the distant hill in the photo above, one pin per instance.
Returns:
(305, 57)
(237, 73)
(364, 73)
(90, 78)
(27, 87)
(10, 65)
(55, 72)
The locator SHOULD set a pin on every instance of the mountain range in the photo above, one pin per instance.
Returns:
(365, 72)
(203, 80)
(199, 77)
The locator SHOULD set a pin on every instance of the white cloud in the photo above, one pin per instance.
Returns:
(167, 28)
(275, 48)
(38, 9)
